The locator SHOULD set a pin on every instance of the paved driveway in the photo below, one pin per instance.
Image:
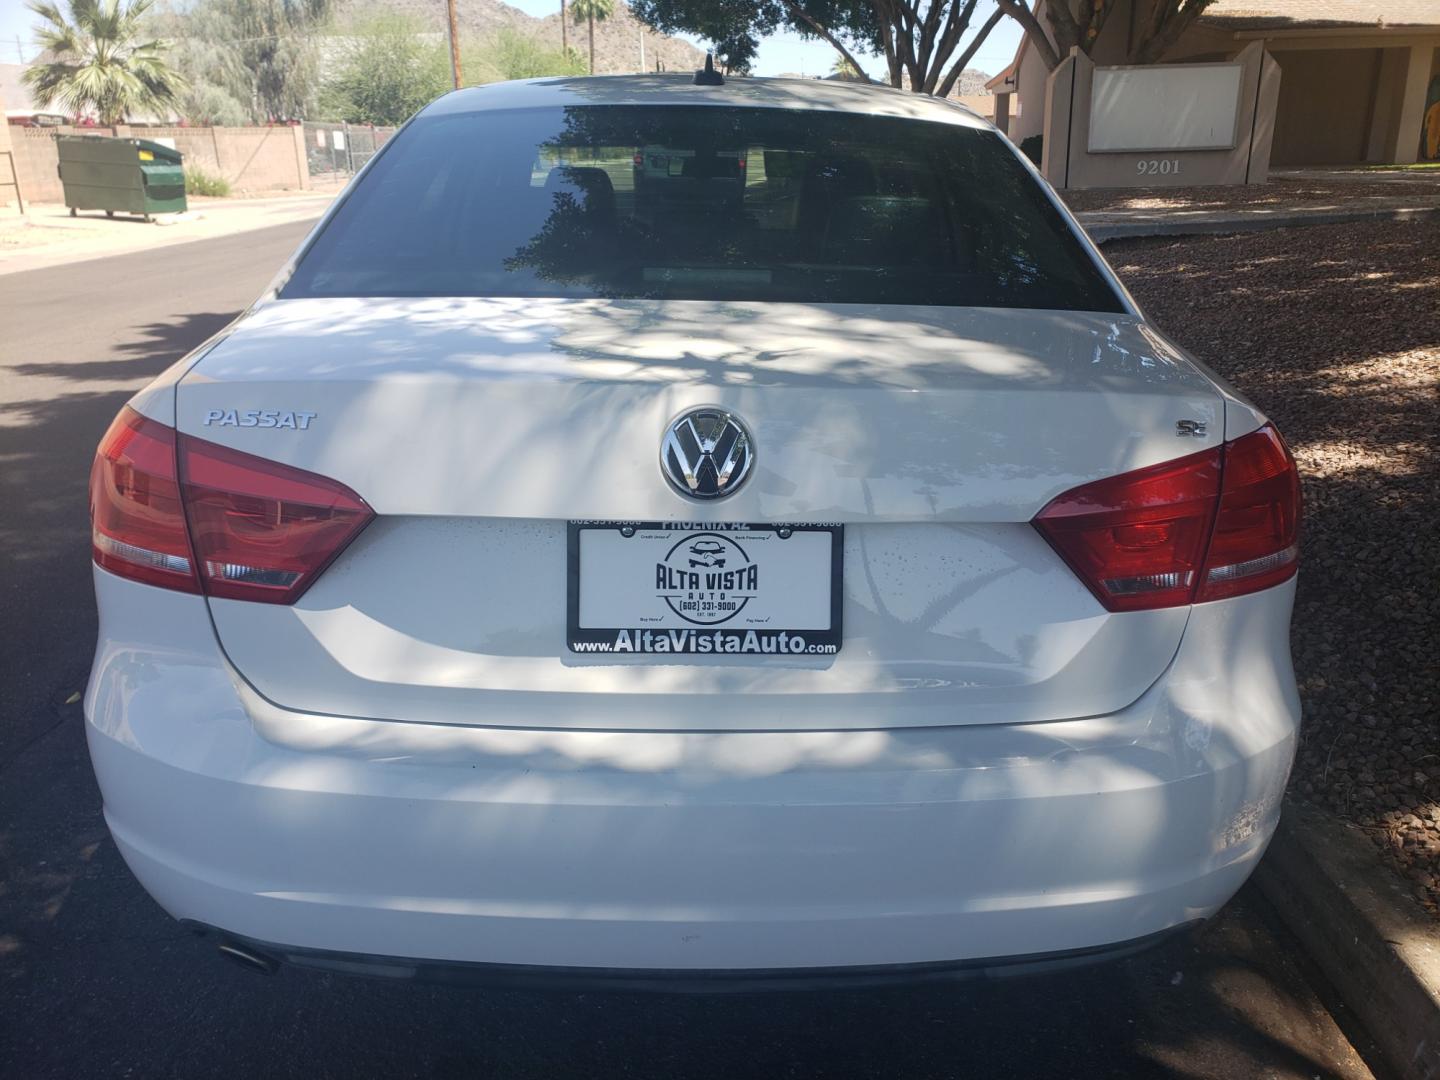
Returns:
(96, 981)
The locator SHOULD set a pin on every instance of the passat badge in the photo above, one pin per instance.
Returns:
(268, 418)
(706, 453)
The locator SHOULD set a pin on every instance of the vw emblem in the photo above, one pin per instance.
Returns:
(706, 453)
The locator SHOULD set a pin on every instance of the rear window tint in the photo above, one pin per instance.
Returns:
(701, 203)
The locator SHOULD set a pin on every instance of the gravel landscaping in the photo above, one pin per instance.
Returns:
(1280, 192)
(1335, 332)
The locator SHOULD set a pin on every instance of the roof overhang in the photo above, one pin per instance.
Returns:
(1004, 82)
(1320, 37)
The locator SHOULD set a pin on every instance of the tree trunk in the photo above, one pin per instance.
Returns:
(1167, 30)
(564, 30)
(1020, 12)
(592, 42)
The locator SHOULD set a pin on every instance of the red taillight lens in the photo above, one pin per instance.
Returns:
(137, 525)
(1257, 529)
(1215, 524)
(263, 531)
(164, 507)
(1138, 540)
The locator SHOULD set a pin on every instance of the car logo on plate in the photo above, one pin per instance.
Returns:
(706, 453)
(707, 578)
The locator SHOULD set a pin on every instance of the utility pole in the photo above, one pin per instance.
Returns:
(642, 48)
(454, 45)
(564, 30)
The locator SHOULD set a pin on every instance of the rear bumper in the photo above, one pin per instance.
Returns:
(723, 980)
(687, 852)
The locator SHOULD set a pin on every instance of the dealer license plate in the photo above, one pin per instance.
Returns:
(661, 587)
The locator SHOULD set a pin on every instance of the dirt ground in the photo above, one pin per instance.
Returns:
(1334, 331)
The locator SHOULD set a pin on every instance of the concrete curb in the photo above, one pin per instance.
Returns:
(1379, 950)
(1102, 228)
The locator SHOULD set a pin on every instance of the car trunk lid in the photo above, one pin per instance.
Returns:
(478, 429)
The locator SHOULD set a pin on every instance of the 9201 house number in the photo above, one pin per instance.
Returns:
(1157, 166)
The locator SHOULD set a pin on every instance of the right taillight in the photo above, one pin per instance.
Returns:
(1255, 543)
(1204, 527)
(187, 514)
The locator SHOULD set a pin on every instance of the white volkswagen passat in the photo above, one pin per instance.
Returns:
(821, 569)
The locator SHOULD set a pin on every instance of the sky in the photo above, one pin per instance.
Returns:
(781, 53)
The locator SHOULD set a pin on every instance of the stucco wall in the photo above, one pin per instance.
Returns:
(35, 163)
(1027, 106)
(252, 159)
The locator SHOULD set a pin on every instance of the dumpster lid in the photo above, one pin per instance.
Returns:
(161, 152)
(158, 151)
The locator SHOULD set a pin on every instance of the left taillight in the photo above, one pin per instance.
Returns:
(188, 514)
(137, 523)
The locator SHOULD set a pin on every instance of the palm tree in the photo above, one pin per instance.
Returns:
(98, 60)
(592, 11)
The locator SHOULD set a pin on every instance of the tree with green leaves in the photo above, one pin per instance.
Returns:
(592, 11)
(259, 57)
(275, 41)
(512, 54)
(218, 89)
(389, 70)
(101, 59)
(920, 40)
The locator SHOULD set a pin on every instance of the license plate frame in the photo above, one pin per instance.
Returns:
(664, 616)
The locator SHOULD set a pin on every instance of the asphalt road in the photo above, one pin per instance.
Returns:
(95, 980)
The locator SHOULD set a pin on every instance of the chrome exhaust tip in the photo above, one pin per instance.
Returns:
(247, 957)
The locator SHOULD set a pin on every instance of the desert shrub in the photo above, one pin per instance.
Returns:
(199, 182)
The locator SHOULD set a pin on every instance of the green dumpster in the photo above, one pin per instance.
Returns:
(134, 176)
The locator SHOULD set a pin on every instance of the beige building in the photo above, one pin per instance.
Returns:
(1359, 79)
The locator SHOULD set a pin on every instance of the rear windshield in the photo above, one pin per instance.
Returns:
(701, 203)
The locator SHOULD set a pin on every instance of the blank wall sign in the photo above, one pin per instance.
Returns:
(1170, 107)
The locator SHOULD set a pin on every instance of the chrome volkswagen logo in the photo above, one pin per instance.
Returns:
(706, 453)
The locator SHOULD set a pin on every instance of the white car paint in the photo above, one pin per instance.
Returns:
(686, 850)
(409, 763)
(938, 431)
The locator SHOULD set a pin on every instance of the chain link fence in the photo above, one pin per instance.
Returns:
(335, 151)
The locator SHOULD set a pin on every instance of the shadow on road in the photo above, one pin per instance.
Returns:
(47, 440)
